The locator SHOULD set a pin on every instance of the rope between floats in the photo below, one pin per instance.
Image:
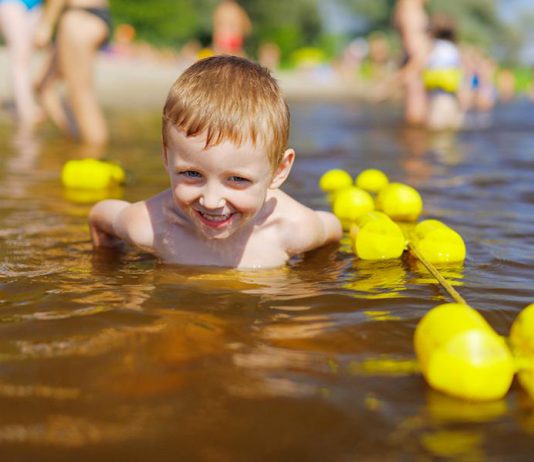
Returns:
(430, 267)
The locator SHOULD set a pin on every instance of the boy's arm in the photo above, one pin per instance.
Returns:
(102, 223)
(315, 229)
(333, 230)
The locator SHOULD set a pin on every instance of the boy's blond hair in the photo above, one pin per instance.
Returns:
(227, 98)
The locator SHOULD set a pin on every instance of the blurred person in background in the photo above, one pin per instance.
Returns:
(18, 21)
(479, 70)
(123, 40)
(506, 85)
(269, 55)
(230, 26)
(443, 76)
(380, 68)
(379, 56)
(82, 27)
(411, 20)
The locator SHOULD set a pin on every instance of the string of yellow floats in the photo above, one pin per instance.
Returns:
(458, 352)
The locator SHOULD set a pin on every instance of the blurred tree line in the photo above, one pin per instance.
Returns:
(299, 23)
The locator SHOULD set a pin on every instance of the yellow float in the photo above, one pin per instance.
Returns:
(377, 237)
(437, 242)
(352, 203)
(334, 180)
(91, 174)
(400, 202)
(461, 355)
(372, 180)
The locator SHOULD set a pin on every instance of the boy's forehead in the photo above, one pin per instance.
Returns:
(200, 141)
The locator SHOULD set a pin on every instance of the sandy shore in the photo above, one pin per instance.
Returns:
(130, 82)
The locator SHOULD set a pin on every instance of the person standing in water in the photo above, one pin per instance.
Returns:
(443, 77)
(18, 21)
(230, 26)
(83, 26)
(411, 20)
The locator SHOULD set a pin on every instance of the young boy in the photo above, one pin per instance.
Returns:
(225, 129)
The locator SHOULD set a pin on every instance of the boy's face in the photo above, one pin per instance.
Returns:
(222, 188)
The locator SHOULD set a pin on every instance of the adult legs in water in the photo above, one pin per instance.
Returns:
(18, 25)
(79, 37)
(50, 98)
(416, 100)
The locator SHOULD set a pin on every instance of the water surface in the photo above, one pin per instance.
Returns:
(115, 356)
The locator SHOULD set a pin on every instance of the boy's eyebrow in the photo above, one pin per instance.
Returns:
(185, 165)
(243, 172)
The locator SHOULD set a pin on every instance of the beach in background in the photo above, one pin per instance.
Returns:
(141, 82)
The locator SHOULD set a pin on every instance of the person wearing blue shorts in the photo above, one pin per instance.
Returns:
(18, 22)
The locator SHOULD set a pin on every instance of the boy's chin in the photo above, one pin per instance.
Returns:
(218, 233)
(215, 235)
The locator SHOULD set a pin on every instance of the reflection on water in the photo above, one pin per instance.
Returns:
(112, 354)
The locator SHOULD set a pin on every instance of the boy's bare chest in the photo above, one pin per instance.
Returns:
(259, 249)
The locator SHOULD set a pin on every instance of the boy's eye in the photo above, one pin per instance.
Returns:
(190, 174)
(239, 179)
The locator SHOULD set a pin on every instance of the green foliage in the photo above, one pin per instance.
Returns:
(297, 23)
(289, 24)
(477, 19)
(165, 22)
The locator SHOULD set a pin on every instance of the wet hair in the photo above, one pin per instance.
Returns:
(443, 27)
(227, 98)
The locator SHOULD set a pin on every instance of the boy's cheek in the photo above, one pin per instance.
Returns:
(183, 194)
(250, 204)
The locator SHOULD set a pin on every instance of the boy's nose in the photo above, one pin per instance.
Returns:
(212, 199)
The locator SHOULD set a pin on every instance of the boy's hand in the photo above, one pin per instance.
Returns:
(101, 220)
(102, 239)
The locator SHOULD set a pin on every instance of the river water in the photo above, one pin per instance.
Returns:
(114, 356)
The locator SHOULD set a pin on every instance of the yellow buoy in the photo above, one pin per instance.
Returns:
(522, 337)
(352, 203)
(378, 238)
(400, 202)
(91, 174)
(438, 243)
(334, 180)
(461, 355)
(204, 53)
(526, 379)
(372, 180)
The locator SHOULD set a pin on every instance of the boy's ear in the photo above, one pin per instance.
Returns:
(164, 155)
(283, 169)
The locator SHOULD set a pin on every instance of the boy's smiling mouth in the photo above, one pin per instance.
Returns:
(215, 220)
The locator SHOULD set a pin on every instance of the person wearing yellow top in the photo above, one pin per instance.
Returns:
(442, 77)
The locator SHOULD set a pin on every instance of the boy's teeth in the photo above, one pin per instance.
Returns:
(215, 217)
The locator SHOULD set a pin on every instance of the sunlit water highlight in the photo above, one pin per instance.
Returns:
(118, 357)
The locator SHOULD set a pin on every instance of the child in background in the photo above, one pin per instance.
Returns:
(225, 131)
(442, 77)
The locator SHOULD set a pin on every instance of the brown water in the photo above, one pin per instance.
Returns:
(113, 356)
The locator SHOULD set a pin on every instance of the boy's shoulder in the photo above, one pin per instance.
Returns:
(288, 210)
(299, 227)
(139, 222)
